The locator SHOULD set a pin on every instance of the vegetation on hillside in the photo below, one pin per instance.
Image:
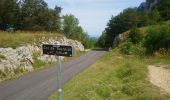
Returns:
(30, 15)
(114, 76)
(133, 17)
(21, 38)
(72, 30)
(35, 15)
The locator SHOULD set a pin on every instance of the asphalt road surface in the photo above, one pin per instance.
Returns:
(40, 85)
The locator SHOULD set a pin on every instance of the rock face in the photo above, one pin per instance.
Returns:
(148, 6)
(23, 56)
(118, 39)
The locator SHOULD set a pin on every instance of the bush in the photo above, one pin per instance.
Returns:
(2, 74)
(133, 49)
(126, 48)
(135, 35)
(158, 38)
(37, 63)
(2, 57)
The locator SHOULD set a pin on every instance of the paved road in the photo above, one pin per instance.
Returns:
(40, 85)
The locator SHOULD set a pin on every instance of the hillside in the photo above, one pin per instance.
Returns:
(123, 74)
(117, 76)
(143, 30)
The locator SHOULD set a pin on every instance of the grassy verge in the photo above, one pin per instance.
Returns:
(113, 77)
(20, 38)
(159, 61)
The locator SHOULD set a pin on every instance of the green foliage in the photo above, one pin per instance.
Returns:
(32, 15)
(2, 74)
(164, 8)
(132, 17)
(154, 17)
(72, 30)
(129, 48)
(103, 41)
(2, 57)
(90, 42)
(37, 62)
(158, 37)
(70, 25)
(9, 13)
(135, 35)
(17, 38)
(126, 48)
(19, 70)
(121, 23)
(113, 77)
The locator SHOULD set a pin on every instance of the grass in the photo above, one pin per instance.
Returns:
(37, 62)
(20, 38)
(161, 60)
(143, 30)
(2, 57)
(113, 77)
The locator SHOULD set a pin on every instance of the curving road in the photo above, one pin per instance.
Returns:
(40, 85)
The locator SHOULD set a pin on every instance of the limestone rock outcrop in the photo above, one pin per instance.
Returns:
(23, 56)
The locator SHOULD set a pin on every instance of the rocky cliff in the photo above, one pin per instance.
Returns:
(148, 5)
(23, 57)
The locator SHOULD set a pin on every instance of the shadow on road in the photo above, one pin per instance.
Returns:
(101, 49)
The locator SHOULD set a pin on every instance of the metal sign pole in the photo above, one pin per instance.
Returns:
(59, 78)
(58, 50)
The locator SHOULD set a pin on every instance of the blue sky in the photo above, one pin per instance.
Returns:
(93, 14)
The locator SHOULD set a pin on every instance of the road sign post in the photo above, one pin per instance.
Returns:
(58, 50)
(59, 88)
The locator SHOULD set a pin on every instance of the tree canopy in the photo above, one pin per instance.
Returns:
(152, 13)
(31, 15)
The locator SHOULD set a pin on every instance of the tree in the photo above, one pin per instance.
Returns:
(135, 35)
(164, 9)
(33, 12)
(103, 41)
(9, 14)
(70, 24)
(56, 19)
(121, 23)
(158, 37)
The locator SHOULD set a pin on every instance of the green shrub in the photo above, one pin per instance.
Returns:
(37, 63)
(138, 49)
(129, 48)
(135, 35)
(2, 74)
(19, 70)
(126, 48)
(158, 37)
(2, 57)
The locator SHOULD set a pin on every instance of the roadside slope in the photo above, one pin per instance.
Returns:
(114, 76)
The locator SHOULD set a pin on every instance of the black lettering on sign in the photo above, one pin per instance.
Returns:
(58, 50)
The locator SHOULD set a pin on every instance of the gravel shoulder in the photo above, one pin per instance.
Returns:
(160, 77)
